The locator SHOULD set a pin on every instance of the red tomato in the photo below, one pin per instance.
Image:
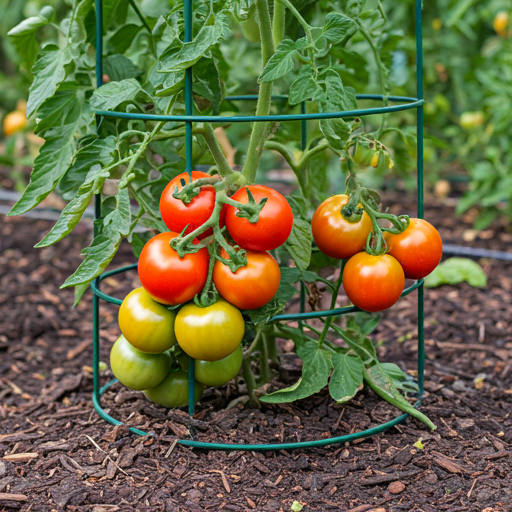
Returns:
(273, 227)
(252, 286)
(418, 249)
(176, 214)
(168, 278)
(373, 283)
(334, 234)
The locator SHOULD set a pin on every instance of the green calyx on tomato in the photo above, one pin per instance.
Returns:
(173, 390)
(177, 215)
(418, 249)
(252, 286)
(147, 325)
(373, 283)
(274, 223)
(334, 234)
(210, 333)
(135, 369)
(168, 278)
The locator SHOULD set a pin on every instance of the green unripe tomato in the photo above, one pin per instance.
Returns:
(363, 153)
(173, 390)
(198, 150)
(146, 324)
(471, 120)
(442, 103)
(210, 333)
(218, 373)
(135, 369)
(183, 361)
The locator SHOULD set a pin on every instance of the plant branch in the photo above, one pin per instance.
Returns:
(278, 22)
(216, 150)
(260, 130)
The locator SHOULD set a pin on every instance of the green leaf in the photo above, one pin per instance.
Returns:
(74, 210)
(50, 72)
(24, 35)
(401, 380)
(305, 87)
(190, 53)
(316, 369)
(337, 27)
(97, 257)
(299, 243)
(347, 377)
(118, 67)
(119, 220)
(263, 315)
(112, 94)
(123, 38)
(293, 275)
(280, 63)
(382, 384)
(96, 151)
(457, 270)
(57, 153)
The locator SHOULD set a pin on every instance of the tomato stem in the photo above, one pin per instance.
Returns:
(334, 297)
(209, 295)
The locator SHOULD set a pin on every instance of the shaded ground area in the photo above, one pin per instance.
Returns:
(57, 454)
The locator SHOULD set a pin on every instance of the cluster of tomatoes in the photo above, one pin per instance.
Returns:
(375, 282)
(162, 313)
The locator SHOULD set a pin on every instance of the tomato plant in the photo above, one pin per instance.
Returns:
(209, 333)
(102, 142)
(373, 283)
(252, 286)
(418, 249)
(168, 278)
(146, 324)
(173, 390)
(334, 234)
(273, 226)
(135, 369)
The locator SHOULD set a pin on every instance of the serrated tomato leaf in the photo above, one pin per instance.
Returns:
(347, 377)
(299, 243)
(316, 370)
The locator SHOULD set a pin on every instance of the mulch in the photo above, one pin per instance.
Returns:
(57, 454)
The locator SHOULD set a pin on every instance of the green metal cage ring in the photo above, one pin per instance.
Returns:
(95, 287)
(409, 103)
(98, 294)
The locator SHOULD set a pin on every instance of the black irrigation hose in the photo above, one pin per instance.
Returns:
(476, 252)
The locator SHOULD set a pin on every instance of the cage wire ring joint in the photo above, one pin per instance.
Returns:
(189, 118)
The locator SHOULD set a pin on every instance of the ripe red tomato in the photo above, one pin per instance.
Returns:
(418, 249)
(252, 286)
(334, 234)
(373, 283)
(274, 224)
(168, 278)
(176, 214)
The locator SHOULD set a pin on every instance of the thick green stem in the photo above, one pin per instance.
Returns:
(265, 372)
(216, 151)
(249, 378)
(260, 130)
(278, 22)
(209, 294)
(333, 304)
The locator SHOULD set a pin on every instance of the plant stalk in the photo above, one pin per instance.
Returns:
(260, 130)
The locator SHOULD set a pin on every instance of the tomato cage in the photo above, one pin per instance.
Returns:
(403, 103)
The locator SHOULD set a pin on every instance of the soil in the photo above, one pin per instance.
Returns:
(56, 453)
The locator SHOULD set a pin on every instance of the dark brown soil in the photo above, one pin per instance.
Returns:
(57, 454)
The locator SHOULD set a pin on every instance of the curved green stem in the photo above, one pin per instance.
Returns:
(209, 294)
(216, 151)
(333, 304)
(278, 22)
(260, 130)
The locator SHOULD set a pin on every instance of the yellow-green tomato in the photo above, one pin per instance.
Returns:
(135, 369)
(146, 324)
(218, 373)
(210, 333)
(173, 390)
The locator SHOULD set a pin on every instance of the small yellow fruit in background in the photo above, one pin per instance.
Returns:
(14, 122)
(437, 24)
(500, 23)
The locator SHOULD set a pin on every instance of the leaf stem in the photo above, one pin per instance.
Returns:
(216, 150)
(145, 23)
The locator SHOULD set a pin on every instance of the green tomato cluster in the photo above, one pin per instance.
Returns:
(146, 358)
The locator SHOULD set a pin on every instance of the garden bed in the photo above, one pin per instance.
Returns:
(58, 454)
